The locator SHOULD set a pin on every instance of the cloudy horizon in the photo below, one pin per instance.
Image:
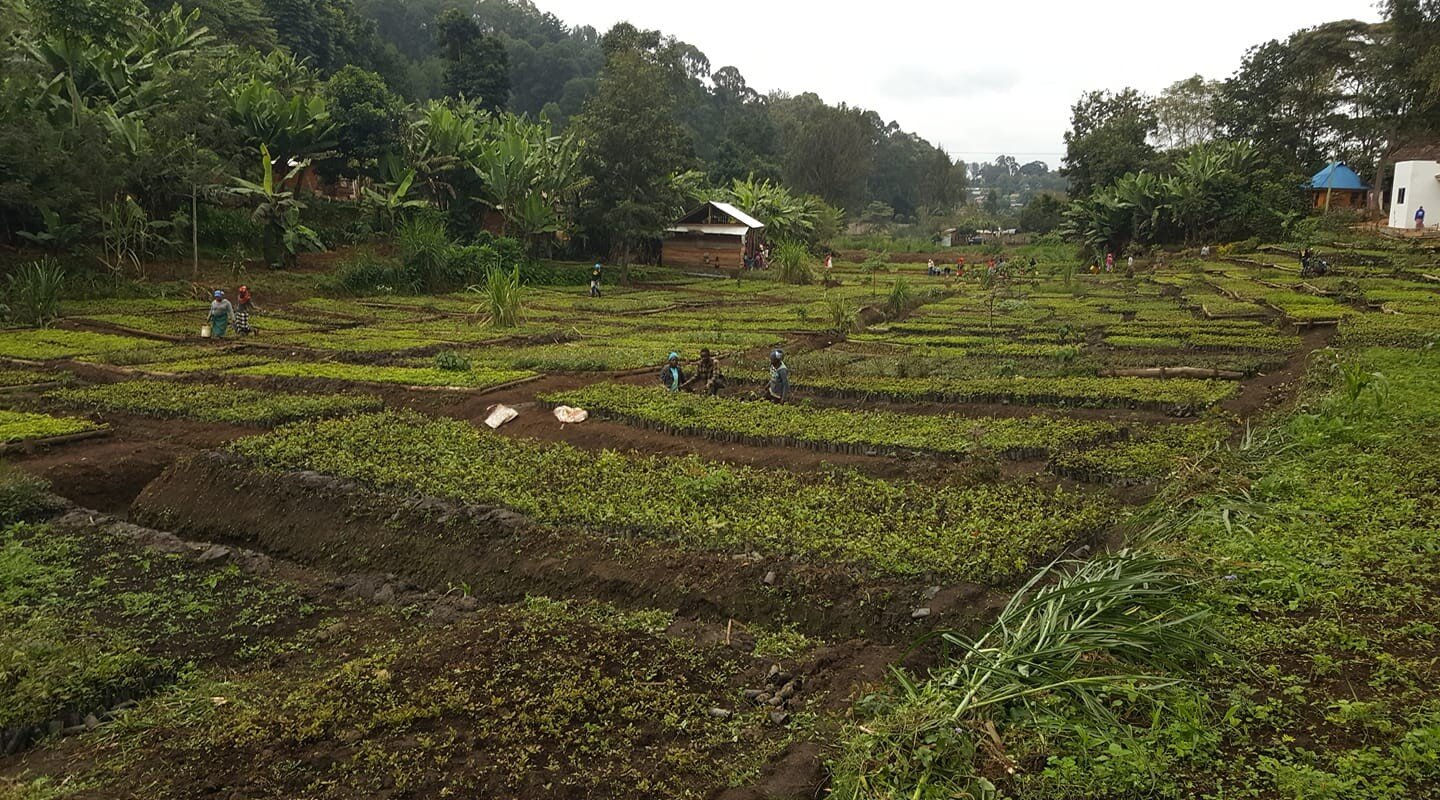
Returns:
(979, 82)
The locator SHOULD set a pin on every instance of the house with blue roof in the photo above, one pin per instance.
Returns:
(1338, 186)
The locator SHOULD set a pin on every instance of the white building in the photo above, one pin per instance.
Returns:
(1417, 185)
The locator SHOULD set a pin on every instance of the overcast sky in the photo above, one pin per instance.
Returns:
(979, 79)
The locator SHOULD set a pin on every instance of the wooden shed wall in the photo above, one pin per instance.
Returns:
(703, 250)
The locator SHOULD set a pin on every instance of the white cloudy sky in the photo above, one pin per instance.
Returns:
(979, 79)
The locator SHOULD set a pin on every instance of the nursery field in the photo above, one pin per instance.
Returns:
(301, 564)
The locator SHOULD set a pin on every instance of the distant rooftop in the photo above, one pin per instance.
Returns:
(1339, 177)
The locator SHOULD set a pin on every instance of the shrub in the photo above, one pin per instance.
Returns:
(450, 361)
(23, 496)
(841, 313)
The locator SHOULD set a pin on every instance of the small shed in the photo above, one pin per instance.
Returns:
(714, 236)
(1338, 186)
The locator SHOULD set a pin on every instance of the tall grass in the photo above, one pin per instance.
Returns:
(500, 297)
(841, 313)
(1073, 635)
(424, 247)
(900, 297)
(792, 261)
(32, 292)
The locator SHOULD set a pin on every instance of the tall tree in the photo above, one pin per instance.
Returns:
(1108, 137)
(633, 144)
(1185, 113)
(477, 67)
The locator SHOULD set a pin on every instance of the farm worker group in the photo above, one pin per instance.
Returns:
(223, 312)
(707, 376)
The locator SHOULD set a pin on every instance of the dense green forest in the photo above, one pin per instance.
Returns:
(127, 121)
(124, 120)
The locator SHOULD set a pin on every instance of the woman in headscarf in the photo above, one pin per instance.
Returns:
(243, 306)
(220, 312)
(671, 375)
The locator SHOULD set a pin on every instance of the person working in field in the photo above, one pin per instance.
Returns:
(671, 375)
(778, 391)
(244, 304)
(707, 374)
(595, 281)
(220, 313)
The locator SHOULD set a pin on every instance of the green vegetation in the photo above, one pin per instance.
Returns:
(980, 532)
(1180, 395)
(20, 426)
(26, 377)
(45, 345)
(212, 403)
(1150, 455)
(833, 429)
(469, 377)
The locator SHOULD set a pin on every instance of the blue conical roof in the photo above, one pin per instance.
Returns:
(1338, 176)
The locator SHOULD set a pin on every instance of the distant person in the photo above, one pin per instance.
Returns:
(1420, 218)
(671, 375)
(930, 267)
(220, 313)
(778, 389)
(1130, 263)
(829, 262)
(595, 281)
(244, 305)
(1109, 262)
(1205, 251)
(707, 374)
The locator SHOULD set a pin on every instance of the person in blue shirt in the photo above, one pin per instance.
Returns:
(671, 375)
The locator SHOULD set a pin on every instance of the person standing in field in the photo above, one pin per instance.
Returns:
(220, 313)
(671, 375)
(244, 306)
(595, 281)
(778, 389)
(707, 373)
(1420, 218)
(829, 262)
(1109, 262)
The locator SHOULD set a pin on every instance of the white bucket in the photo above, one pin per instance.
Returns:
(205, 331)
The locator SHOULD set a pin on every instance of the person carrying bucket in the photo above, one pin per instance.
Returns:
(220, 312)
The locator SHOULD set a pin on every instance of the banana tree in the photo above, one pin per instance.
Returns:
(529, 176)
(388, 201)
(292, 127)
(278, 212)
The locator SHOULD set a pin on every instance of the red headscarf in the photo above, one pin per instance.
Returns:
(243, 294)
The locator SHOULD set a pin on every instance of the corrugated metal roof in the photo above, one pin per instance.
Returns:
(1339, 177)
(707, 227)
(744, 218)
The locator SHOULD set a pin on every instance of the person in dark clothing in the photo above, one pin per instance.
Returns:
(707, 374)
(778, 390)
(595, 281)
(671, 375)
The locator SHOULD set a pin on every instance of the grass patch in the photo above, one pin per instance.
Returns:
(212, 403)
(20, 426)
(471, 378)
(979, 532)
(833, 429)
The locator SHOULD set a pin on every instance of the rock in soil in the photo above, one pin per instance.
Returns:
(721, 713)
(779, 717)
(920, 613)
